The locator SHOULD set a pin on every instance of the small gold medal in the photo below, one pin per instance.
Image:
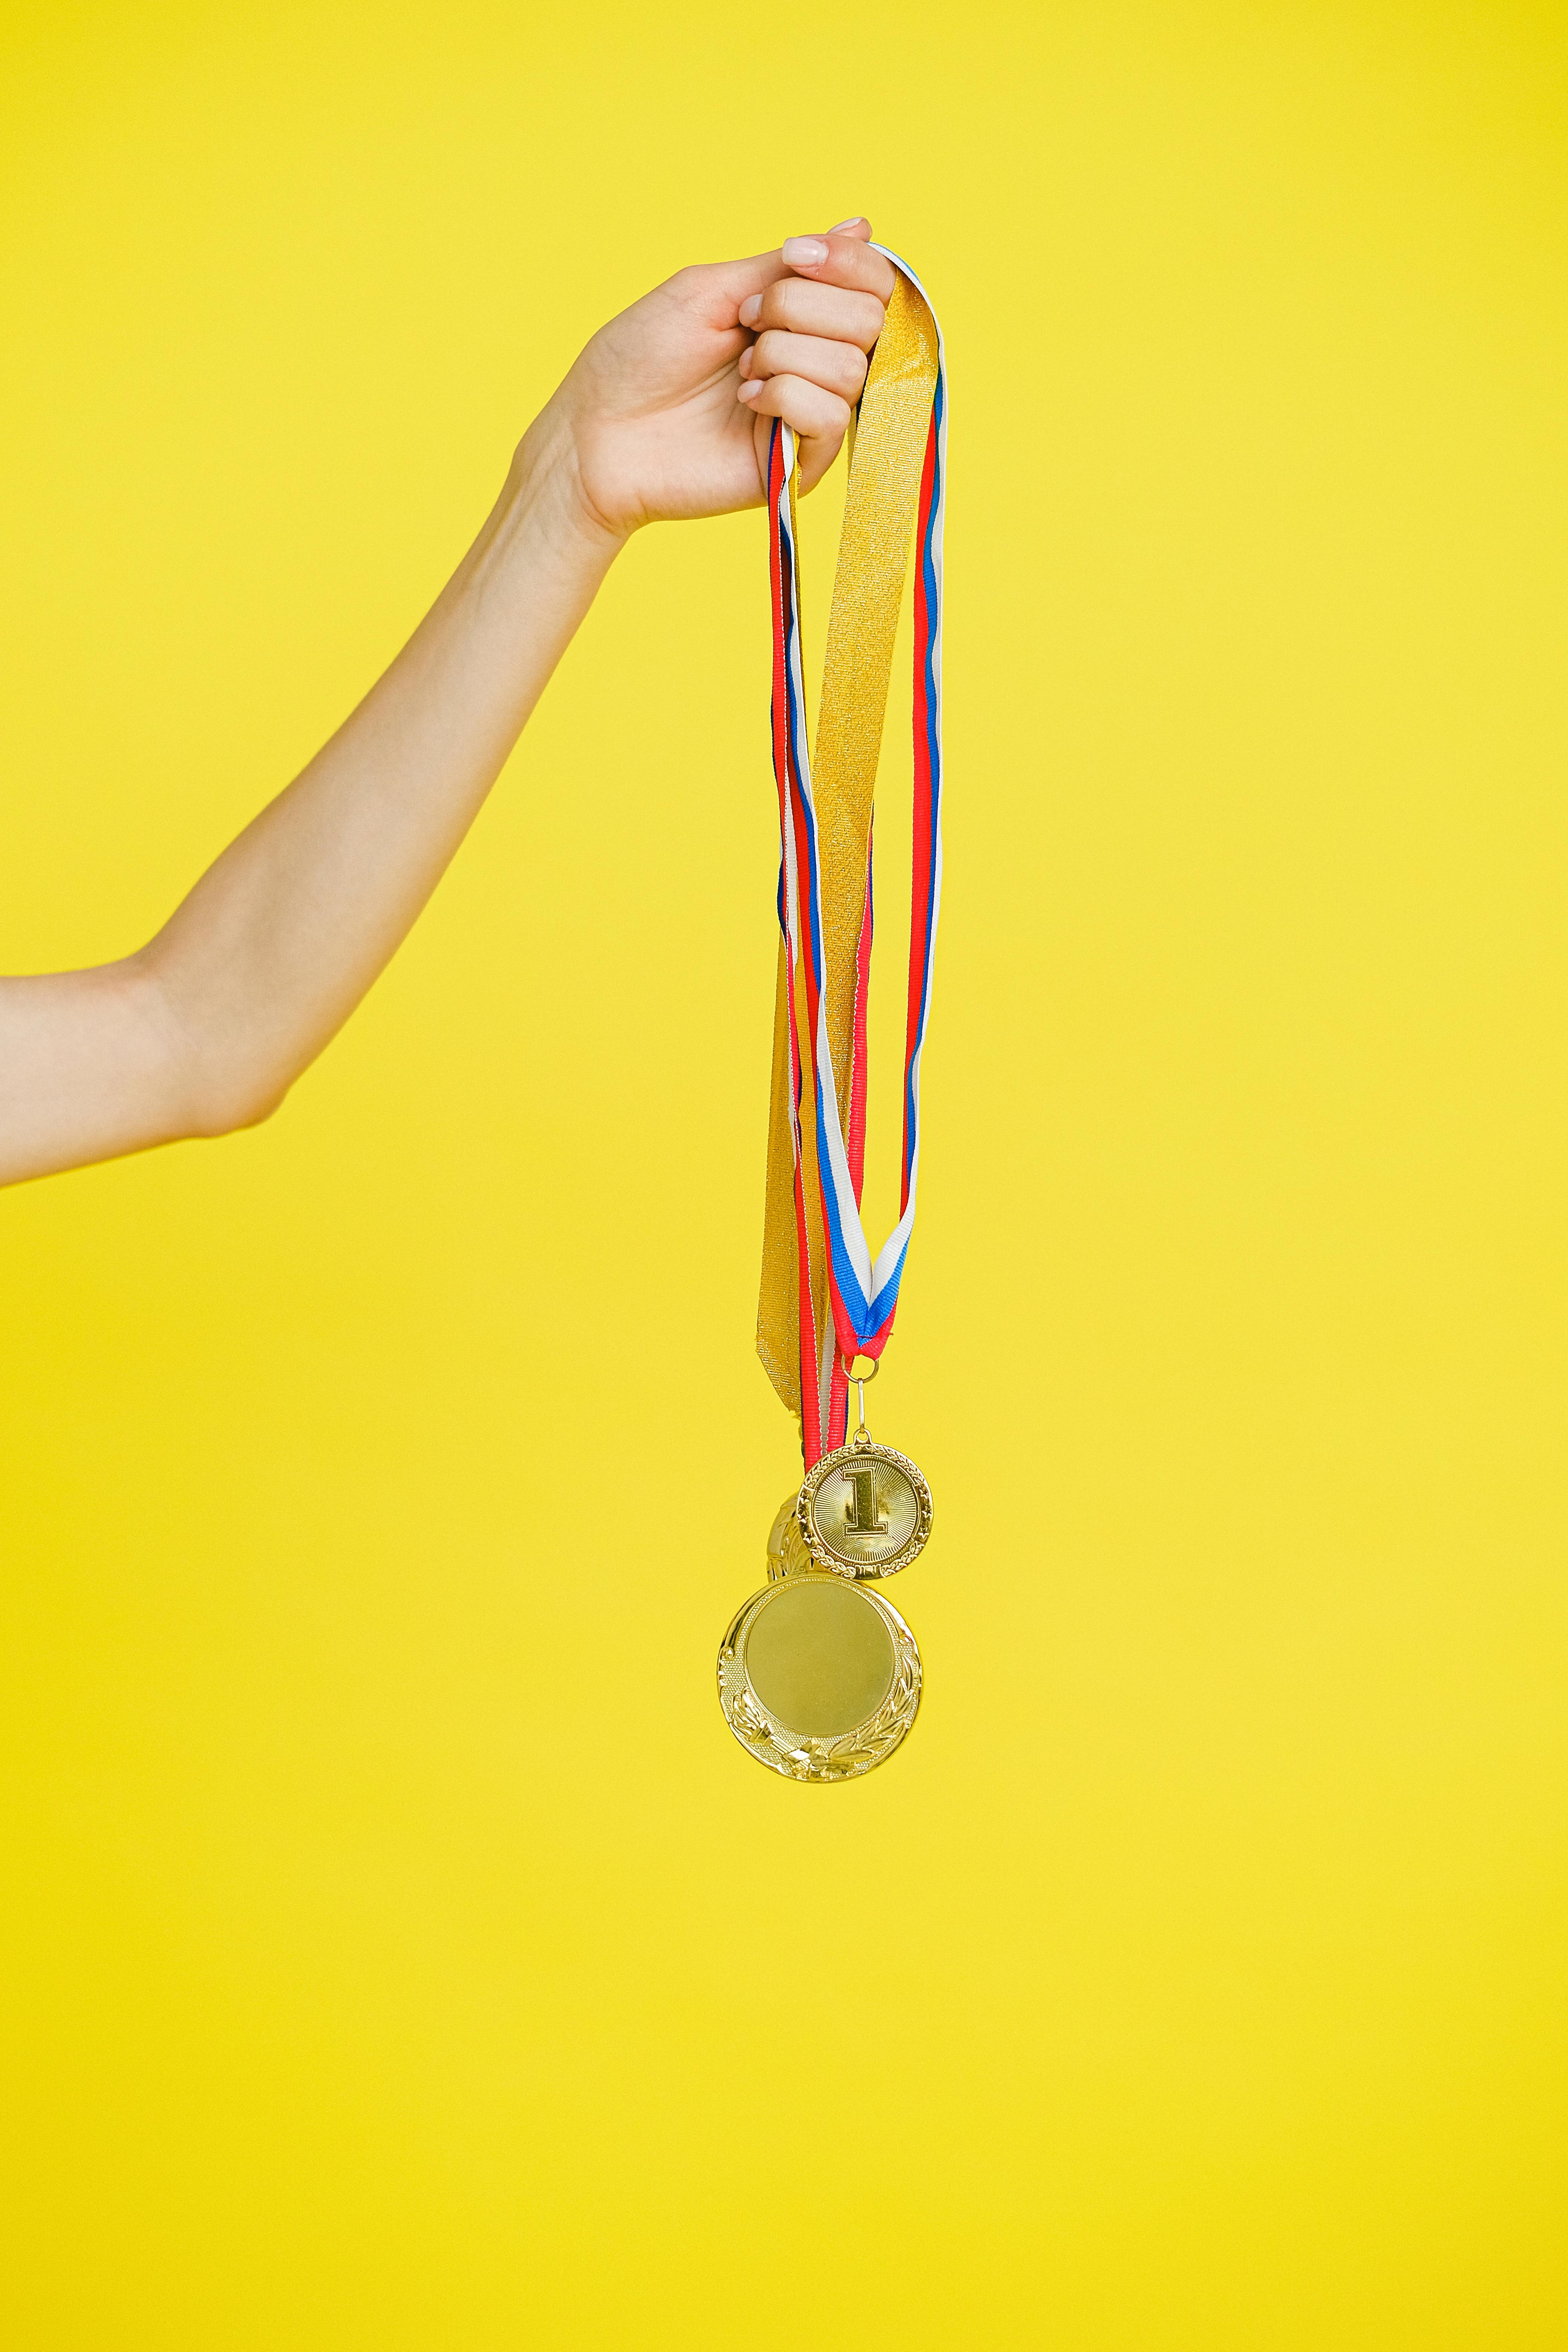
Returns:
(787, 1554)
(865, 1510)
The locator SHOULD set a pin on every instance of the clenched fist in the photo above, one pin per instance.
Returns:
(667, 412)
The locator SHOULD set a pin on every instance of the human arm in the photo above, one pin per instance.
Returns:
(665, 414)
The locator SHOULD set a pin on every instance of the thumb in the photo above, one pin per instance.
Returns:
(728, 283)
(732, 281)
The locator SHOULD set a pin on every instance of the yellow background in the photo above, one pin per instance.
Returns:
(398, 1952)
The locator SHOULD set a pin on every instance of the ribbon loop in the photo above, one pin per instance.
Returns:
(824, 1299)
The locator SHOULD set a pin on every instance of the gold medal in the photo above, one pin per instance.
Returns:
(818, 1678)
(865, 1510)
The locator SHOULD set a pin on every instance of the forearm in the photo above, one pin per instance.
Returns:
(265, 959)
(205, 1028)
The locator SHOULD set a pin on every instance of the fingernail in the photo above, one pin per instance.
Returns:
(745, 364)
(856, 220)
(747, 391)
(751, 310)
(803, 252)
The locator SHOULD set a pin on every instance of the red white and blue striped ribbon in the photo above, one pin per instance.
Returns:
(863, 1290)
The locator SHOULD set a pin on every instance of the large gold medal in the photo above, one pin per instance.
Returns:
(818, 1678)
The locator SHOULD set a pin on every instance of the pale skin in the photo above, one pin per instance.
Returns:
(665, 417)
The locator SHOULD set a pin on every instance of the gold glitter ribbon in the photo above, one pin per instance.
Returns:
(886, 454)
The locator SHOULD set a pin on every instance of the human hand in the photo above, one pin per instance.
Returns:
(668, 411)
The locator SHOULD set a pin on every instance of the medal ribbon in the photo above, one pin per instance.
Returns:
(824, 1299)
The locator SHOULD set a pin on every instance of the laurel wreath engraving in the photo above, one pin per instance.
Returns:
(749, 1719)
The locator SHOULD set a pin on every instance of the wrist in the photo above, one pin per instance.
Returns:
(545, 482)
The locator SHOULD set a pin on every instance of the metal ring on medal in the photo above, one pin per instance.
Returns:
(865, 1510)
(819, 1679)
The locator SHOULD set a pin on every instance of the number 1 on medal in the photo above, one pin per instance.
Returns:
(861, 1516)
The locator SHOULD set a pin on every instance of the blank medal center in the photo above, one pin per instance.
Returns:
(820, 1658)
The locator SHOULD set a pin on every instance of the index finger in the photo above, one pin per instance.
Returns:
(835, 260)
